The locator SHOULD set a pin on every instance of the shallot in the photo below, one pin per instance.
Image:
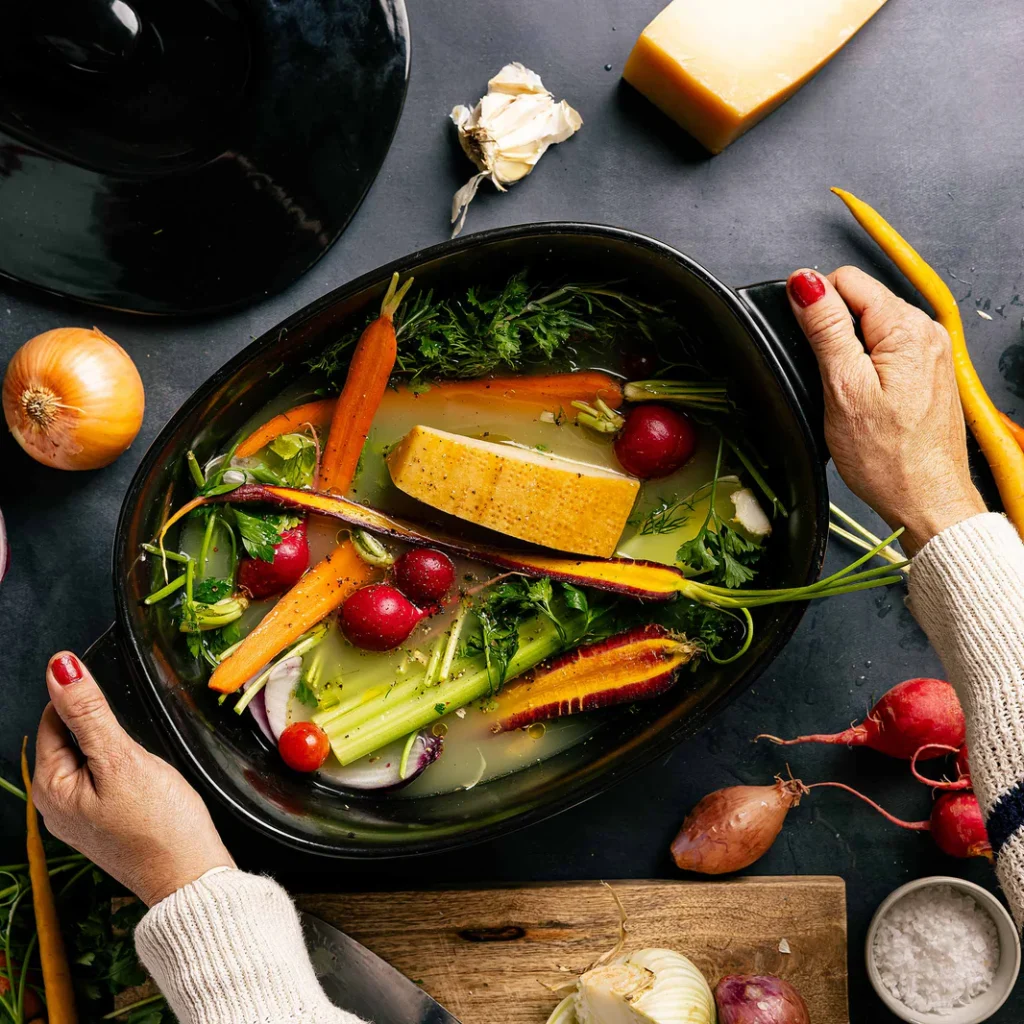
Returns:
(759, 999)
(731, 828)
(914, 714)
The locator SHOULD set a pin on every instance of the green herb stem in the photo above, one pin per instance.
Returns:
(301, 646)
(137, 1005)
(176, 584)
(174, 556)
(195, 470)
(706, 397)
(14, 791)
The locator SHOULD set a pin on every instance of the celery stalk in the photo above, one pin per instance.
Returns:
(411, 706)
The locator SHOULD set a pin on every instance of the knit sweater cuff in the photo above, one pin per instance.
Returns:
(228, 949)
(967, 592)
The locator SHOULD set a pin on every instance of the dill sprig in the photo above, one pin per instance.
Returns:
(518, 325)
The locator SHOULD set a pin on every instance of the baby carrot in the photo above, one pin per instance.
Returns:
(311, 600)
(548, 391)
(60, 996)
(368, 375)
(317, 414)
(1004, 455)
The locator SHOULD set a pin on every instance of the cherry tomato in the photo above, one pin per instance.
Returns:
(303, 746)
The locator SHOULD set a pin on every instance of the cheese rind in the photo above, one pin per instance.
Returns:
(519, 492)
(717, 67)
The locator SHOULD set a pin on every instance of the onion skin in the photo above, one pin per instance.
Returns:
(73, 398)
(759, 999)
(731, 828)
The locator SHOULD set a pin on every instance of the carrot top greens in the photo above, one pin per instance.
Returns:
(521, 324)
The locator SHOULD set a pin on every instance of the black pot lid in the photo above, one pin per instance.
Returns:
(185, 156)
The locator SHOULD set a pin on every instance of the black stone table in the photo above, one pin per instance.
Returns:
(920, 115)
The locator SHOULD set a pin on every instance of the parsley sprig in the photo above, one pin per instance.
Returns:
(718, 553)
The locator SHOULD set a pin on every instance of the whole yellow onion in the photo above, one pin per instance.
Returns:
(73, 398)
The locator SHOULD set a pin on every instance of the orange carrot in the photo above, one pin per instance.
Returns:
(60, 996)
(368, 374)
(550, 391)
(1014, 428)
(312, 599)
(318, 414)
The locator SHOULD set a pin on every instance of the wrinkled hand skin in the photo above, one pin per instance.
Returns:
(893, 420)
(109, 798)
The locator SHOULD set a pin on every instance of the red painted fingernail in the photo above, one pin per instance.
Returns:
(67, 669)
(806, 288)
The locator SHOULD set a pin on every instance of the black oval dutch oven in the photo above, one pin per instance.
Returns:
(747, 334)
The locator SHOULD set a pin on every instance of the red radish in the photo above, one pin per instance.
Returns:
(956, 822)
(963, 767)
(654, 441)
(424, 575)
(913, 714)
(261, 579)
(379, 617)
(963, 780)
(303, 746)
(731, 828)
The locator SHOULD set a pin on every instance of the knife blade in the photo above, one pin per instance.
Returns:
(362, 983)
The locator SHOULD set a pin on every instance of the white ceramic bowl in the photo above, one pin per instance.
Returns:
(979, 1009)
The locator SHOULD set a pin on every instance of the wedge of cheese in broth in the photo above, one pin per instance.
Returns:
(520, 492)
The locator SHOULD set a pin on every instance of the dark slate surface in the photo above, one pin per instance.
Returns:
(921, 115)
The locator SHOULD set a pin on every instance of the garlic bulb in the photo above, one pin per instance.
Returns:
(650, 986)
(508, 131)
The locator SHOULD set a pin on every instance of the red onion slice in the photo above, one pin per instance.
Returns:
(384, 773)
(5, 552)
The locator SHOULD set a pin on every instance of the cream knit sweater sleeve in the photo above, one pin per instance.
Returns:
(967, 592)
(228, 949)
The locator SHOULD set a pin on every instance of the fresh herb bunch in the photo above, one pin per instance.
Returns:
(511, 601)
(720, 555)
(487, 330)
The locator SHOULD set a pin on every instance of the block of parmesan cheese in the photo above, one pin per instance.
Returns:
(718, 66)
(519, 492)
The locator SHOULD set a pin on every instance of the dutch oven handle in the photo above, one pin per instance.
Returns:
(108, 665)
(769, 306)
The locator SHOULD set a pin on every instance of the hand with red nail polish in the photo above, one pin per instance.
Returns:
(893, 420)
(109, 798)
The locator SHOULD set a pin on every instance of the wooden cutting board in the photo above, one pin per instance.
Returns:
(489, 955)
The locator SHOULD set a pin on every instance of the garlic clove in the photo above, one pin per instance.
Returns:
(749, 513)
(508, 131)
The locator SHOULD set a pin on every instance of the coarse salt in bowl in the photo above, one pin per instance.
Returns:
(943, 950)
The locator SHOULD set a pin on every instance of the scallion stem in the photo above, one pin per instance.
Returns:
(300, 647)
(174, 556)
(158, 595)
(195, 469)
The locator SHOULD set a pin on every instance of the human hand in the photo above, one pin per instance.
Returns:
(109, 798)
(893, 420)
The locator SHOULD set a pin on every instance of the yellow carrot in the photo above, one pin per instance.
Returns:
(1004, 454)
(310, 601)
(60, 995)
